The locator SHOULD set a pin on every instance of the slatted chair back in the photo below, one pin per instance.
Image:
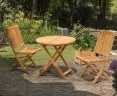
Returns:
(14, 36)
(104, 42)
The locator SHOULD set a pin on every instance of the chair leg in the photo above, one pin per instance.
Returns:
(84, 71)
(98, 75)
(22, 65)
(103, 73)
(108, 77)
(33, 63)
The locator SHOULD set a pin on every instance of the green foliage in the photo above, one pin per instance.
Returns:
(66, 12)
(30, 28)
(5, 6)
(114, 7)
(13, 17)
(50, 30)
(83, 39)
(60, 11)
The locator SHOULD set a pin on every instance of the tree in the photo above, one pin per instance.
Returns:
(114, 7)
(42, 7)
(72, 6)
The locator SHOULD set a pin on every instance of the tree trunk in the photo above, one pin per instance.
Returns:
(42, 7)
(102, 12)
(34, 5)
(1, 17)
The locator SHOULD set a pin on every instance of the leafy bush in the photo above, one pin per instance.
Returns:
(83, 38)
(4, 8)
(30, 28)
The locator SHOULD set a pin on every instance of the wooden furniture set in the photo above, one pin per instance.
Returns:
(100, 56)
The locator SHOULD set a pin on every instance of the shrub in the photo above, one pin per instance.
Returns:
(83, 38)
(30, 28)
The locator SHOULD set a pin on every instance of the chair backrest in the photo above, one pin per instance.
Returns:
(14, 36)
(104, 42)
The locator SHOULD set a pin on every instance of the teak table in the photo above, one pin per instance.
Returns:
(59, 43)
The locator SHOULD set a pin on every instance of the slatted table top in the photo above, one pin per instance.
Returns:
(55, 40)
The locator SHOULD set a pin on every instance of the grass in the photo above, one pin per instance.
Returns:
(7, 57)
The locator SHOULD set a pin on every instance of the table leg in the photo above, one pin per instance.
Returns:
(60, 55)
(51, 62)
(53, 59)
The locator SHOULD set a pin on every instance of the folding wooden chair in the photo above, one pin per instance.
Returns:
(21, 51)
(95, 63)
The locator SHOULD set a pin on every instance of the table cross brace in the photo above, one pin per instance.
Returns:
(53, 58)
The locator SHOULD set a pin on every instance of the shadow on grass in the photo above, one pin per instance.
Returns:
(7, 61)
(13, 84)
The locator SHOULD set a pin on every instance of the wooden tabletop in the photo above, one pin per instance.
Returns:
(55, 40)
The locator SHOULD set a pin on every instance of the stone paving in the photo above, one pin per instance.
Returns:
(102, 88)
(17, 83)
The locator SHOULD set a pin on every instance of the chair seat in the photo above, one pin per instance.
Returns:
(90, 58)
(28, 50)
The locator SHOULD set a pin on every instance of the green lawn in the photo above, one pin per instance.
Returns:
(7, 57)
